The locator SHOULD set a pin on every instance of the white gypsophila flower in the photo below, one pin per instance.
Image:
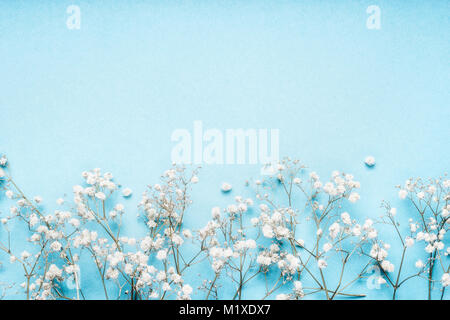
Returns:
(3, 161)
(402, 194)
(232, 208)
(327, 247)
(161, 255)
(25, 255)
(387, 266)
(430, 248)
(56, 246)
(226, 187)
(353, 197)
(298, 288)
(100, 196)
(409, 242)
(445, 213)
(264, 259)
(112, 273)
(53, 272)
(346, 218)
(242, 207)
(268, 231)
(127, 192)
(194, 179)
(215, 212)
(445, 279)
(186, 291)
(322, 264)
(334, 230)
(378, 253)
(282, 296)
(419, 264)
(187, 233)
(370, 161)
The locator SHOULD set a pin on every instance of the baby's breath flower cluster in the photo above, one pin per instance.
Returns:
(148, 268)
(308, 203)
(424, 236)
(295, 234)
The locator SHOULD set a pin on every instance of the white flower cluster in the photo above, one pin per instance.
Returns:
(428, 230)
(244, 241)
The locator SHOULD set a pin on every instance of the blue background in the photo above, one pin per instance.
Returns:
(110, 94)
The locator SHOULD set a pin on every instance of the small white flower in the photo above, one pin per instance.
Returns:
(402, 194)
(127, 192)
(393, 211)
(301, 242)
(445, 280)
(327, 247)
(186, 289)
(267, 231)
(161, 255)
(282, 296)
(187, 233)
(37, 199)
(387, 266)
(409, 242)
(100, 196)
(419, 264)
(25, 255)
(53, 272)
(226, 187)
(215, 213)
(3, 161)
(56, 246)
(298, 287)
(322, 264)
(194, 179)
(353, 197)
(74, 222)
(370, 161)
(334, 230)
(346, 218)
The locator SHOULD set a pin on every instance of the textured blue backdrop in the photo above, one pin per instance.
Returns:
(110, 94)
